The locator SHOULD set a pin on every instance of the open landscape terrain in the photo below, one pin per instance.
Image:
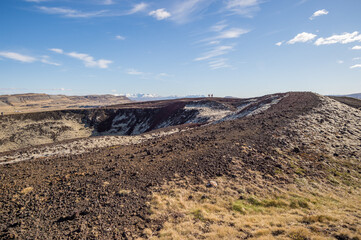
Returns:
(281, 166)
(180, 119)
(34, 102)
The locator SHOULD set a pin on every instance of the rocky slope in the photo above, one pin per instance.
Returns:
(283, 173)
(25, 130)
(352, 102)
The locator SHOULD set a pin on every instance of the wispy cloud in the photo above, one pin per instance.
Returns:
(71, 13)
(232, 33)
(108, 2)
(356, 66)
(45, 59)
(219, 63)
(219, 26)
(214, 42)
(302, 38)
(246, 8)
(302, 2)
(36, 1)
(185, 10)
(56, 50)
(147, 75)
(319, 13)
(138, 8)
(163, 75)
(133, 71)
(160, 14)
(18, 57)
(119, 37)
(88, 60)
(340, 61)
(342, 38)
(356, 47)
(356, 58)
(279, 43)
(221, 32)
(27, 59)
(217, 51)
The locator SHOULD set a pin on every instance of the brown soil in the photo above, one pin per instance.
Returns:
(104, 193)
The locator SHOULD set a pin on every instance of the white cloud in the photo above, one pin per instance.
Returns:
(302, 2)
(280, 43)
(18, 57)
(108, 2)
(160, 14)
(138, 8)
(340, 61)
(218, 51)
(356, 66)
(163, 75)
(319, 13)
(184, 10)
(232, 33)
(342, 38)
(88, 60)
(119, 37)
(27, 59)
(219, 26)
(56, 50)
(215, 42)
(302, 37)
(356, 58)
(219, 63)
(45, 59)
(243, 7)
(226, 34)
(71, 13)
(356, 48)
(132, 71)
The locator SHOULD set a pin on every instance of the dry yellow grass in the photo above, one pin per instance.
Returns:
(305, 211)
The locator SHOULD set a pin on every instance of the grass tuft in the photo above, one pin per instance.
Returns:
(198, 214)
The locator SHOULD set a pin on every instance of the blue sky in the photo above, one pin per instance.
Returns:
(236, 48)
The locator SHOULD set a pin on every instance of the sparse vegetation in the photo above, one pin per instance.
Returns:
(299, 214)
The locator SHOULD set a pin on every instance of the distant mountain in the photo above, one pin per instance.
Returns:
(153, 97)
(355, 95)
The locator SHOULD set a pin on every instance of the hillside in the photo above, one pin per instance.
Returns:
(31, 129)
(282, 166)
(35, 102)
(350, 101)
